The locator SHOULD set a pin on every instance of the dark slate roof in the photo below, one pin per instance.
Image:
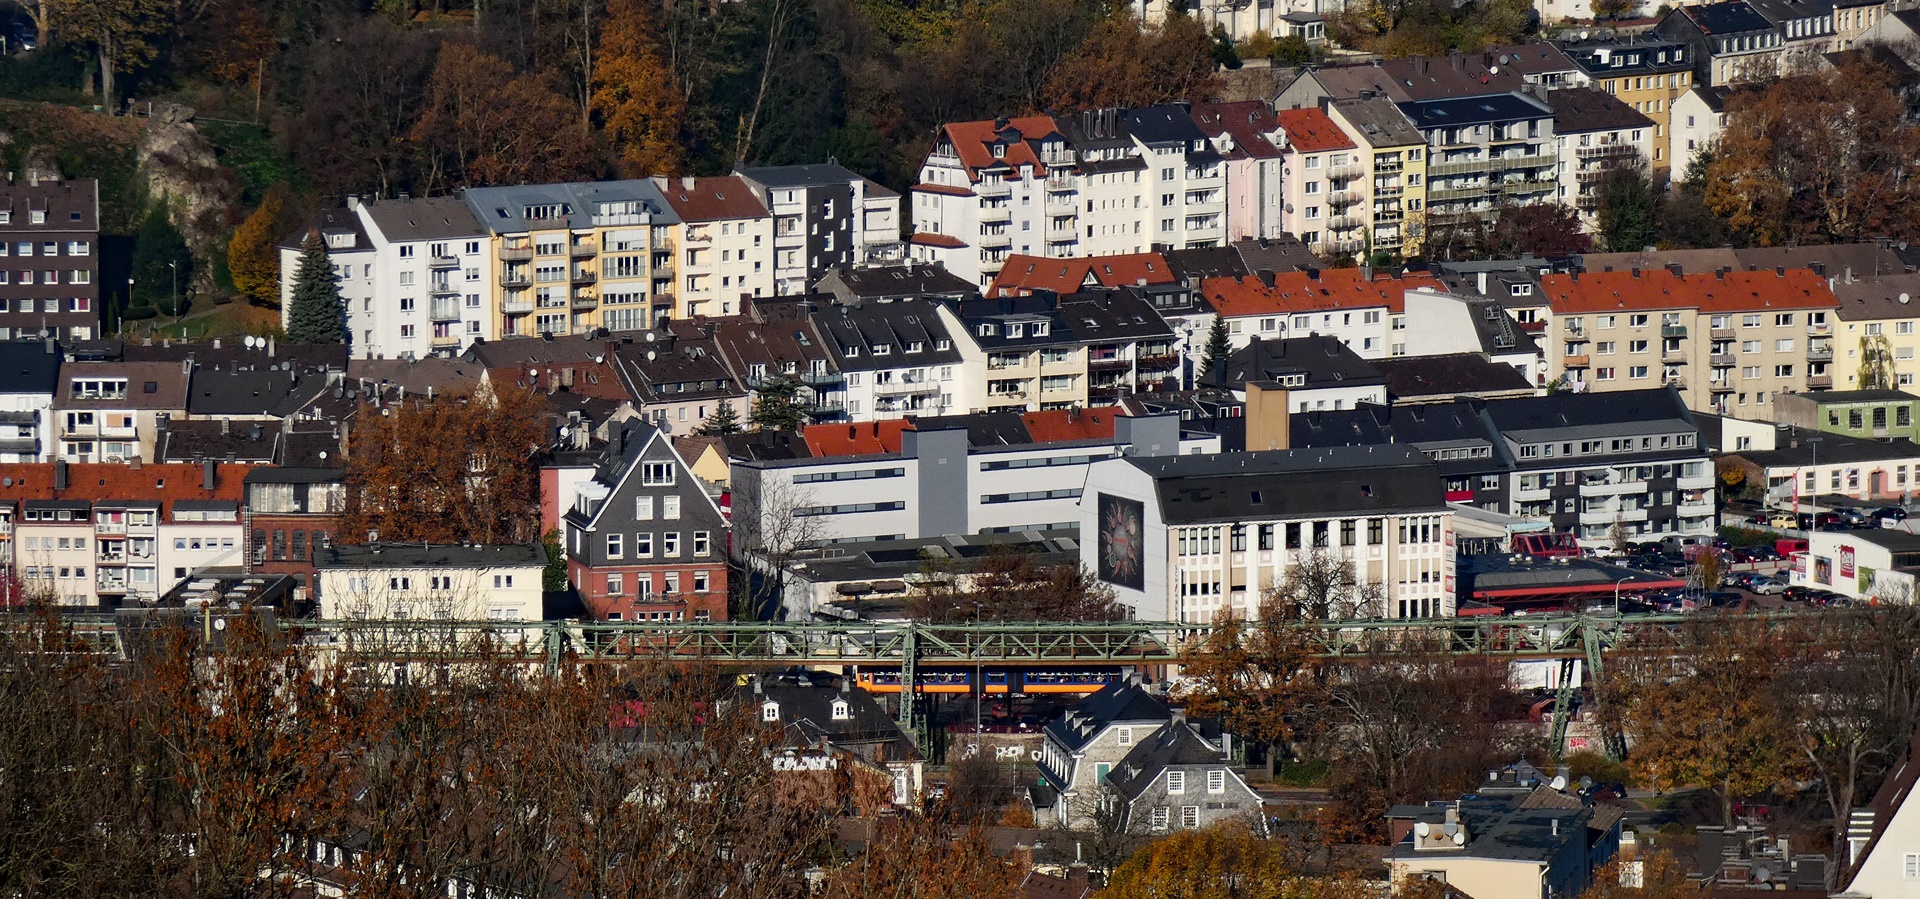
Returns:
(1004, 311)
(991, 429)
(1325, 361)
(1577, 109)
(29, 366)
(1836, 397)
(417, 555)
(1293, 483)
(424, 218)
(502, 209)
(1503, 828)
(1645, 410)
(1111, 314)
(1781, 11)
(894, 325)
(1454, 374)
(1626, 56)
(278, 475)
(1456, 111)
(338, 220)
(1795, 448)
(907, 280)
(1205, 262)
(1725, 18)
(1165, 124)
(819, 174)
(1175, 745)
(233, 391)
(200, 440)
(762, 446)
(1380, 122)
(1278, 254)
(1429, 426)
(231, 352)
(806, 708)
(1121, 700)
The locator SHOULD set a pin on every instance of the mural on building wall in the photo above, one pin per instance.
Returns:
(1122, 546)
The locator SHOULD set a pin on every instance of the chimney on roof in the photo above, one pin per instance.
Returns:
(207, 470)
(1266, 276)
(1720, 274)
(1819, 268)
(1780, 271)
(226, 427)
(1677, 269)
(686, 182)
(59, 474)
(52, 347)
(1636, 271)
(1458, 60)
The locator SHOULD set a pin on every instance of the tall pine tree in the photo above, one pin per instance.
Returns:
(722, 422)
(1218, 349)
(316, 314)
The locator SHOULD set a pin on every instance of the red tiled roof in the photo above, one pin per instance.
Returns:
(948, 189)
(1247, 121)
(1023, 274)
(1660, 288)
(165, 483)
(1060, 425)
(712, 199)
(929, 239)
(973, 142)
(1334, 288)
(1311, 131)
(861, 439)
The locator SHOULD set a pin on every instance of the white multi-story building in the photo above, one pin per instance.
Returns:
(898, 358)
(349, 250)
(1098, 183)
(29, 376)
(1596, 134)
(824, 216)
(726, 245)
(406, 580)
(1365, 311)
(414, 277)
(1183, 538)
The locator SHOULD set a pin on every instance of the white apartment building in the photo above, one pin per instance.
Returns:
(824, 216)
(1365, 311)
(414, 277)
(1596, 134)
(726, 245)
(1325, 196)
(1098, 183)
(454, 583)
(1183, 538)
(352, 254)
(29, 376)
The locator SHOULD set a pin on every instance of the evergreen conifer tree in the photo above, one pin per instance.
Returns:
(723, 421)
(1218, 349)
(316, 314)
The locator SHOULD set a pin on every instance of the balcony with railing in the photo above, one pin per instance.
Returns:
(1459, 167)
(442, 260)
(1109, 363)
(905, 387)
(585, 300)
(516, 307)
(449, 339)
(1673, 357)
(1577, 362)
(1606, 151)
(516, 253)
(993, 187)
(1720, 334)
(1720, 386)
(1003, 238)
(1722, 360)
(516, 279)
(1384, 164)
(582, 276)
(1819, 354)
(1819, 330)
(1676, 382)
(1819, 382)
(442, 288)
(1673, 332)
(111, 582)
(582, 249)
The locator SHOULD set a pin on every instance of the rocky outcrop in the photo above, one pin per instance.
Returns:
(180, 168)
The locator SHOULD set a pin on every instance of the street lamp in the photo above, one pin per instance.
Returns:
(1616, 593)
(175, 266)
(1813, 494)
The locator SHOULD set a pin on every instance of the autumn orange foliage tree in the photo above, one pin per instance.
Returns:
(1818, 158)
(484, 125)
(447, 471)
(635, 97)
(1124, 64)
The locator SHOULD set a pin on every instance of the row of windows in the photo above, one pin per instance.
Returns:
(1046, 462)
(856, 475)
(1576, 324)
(50, 276)
(1030, 495)
(1207, 540)
(669, 545)
(643, 583)
(848, 509)
(1585, 447)
(25, 248)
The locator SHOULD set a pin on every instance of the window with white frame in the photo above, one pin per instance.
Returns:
(1176, 782)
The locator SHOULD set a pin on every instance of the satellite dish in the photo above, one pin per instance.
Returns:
(323, 455)
(1583, 35)
(1905, 299)
(1761, 874)
(533, 373)
(565, 431)
(248, 341)
(650, 355)
(651, 336)
(1586, 783)
(1494, 70)
(1559, 783)
(599, 359)
(1460, 839)
(1422, 829)
(1450, 828)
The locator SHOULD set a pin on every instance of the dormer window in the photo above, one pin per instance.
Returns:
(986, 330)
(769, 711)
(915, 346)
(1039, 329)
(1015, 329)
(842, 711)
(943, 344)
(881, 349)
(999, 151)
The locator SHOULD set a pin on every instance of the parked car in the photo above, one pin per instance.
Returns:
(1770, 586)
(1890, 513)
(1786, 520)
(1827, 521)
(1723, 599)
(1856, 517)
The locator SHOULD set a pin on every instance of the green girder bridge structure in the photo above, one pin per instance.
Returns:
(1571, 639)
